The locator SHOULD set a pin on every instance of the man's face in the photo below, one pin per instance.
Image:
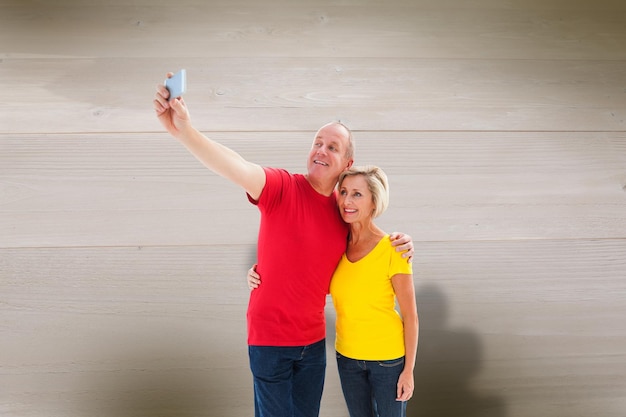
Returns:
(327, 158)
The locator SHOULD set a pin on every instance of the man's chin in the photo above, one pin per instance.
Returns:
(316, 169)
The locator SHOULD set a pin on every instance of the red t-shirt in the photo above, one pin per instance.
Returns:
(301, 239)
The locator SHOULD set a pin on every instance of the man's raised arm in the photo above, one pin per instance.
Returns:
(174, 116)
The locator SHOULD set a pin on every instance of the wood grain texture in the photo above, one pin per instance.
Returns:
(145, 189)
(103, 95)
(116, 316)
(501, 125)
(411, 29)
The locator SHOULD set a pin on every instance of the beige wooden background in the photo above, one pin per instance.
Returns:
(502, 126)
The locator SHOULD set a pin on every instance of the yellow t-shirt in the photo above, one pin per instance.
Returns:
(368, 326)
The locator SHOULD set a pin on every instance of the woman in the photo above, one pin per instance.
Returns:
(376, 347)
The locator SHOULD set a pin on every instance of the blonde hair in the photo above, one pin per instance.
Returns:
(377, 184)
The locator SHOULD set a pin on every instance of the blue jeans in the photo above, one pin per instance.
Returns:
(288, 381)
(370, 387)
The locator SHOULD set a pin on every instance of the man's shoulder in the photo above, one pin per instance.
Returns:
(280, 172)
(281, 186)
(282, 175)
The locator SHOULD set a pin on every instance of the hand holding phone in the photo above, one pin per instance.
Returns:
(177, 84)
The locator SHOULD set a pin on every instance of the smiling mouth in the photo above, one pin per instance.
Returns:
(315, 161)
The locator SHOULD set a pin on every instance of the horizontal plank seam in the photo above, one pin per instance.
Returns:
(415, 241)
(158, 132)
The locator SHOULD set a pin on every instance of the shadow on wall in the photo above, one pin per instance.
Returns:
(166, 378)
(179, 360)
(447, 360)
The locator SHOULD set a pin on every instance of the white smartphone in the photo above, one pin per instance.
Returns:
(177, 84)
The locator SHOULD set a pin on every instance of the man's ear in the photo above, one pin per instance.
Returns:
(350, 162)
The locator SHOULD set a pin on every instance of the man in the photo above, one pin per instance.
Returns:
(301, 239)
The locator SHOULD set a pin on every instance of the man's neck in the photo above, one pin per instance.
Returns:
(322, 188)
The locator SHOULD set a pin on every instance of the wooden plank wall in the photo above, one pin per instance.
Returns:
(502, 126)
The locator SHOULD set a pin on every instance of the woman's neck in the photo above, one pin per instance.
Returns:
(362, 240)
(361, 232)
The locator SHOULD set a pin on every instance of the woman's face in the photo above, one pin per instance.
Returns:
(355, 200)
